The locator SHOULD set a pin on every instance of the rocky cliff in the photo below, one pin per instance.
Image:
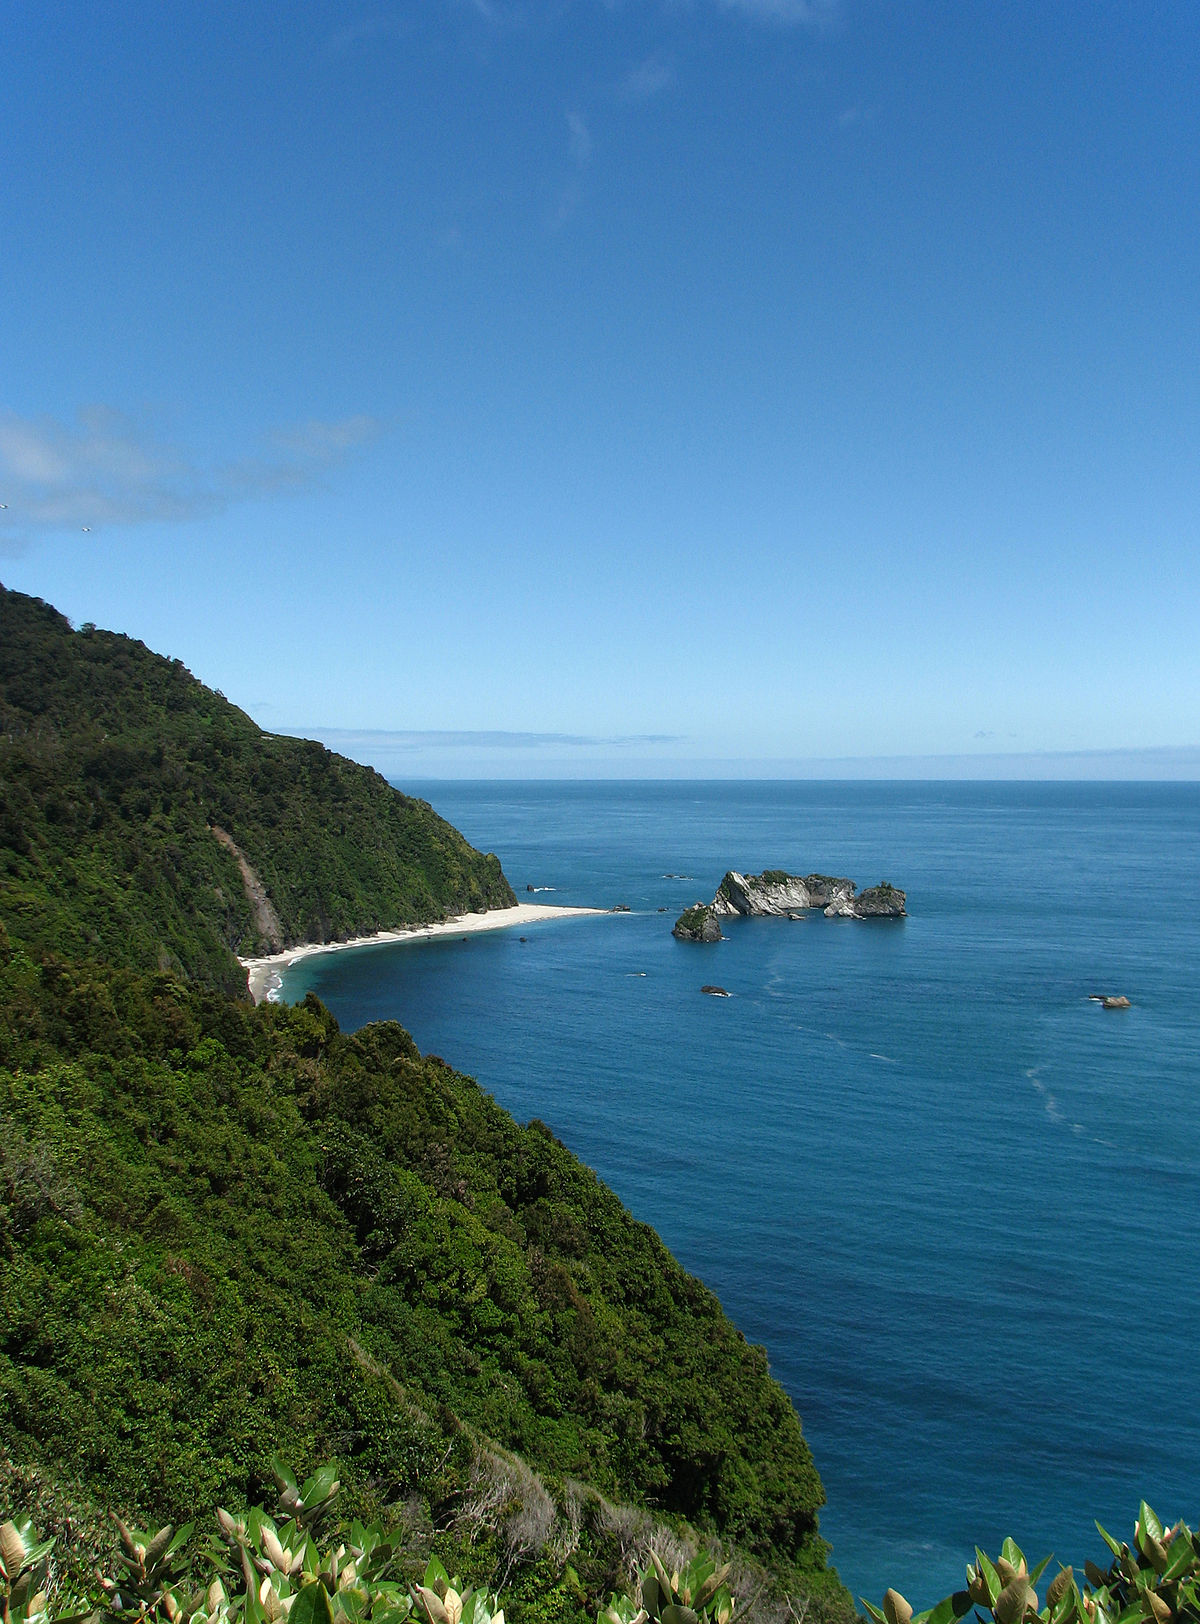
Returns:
(775, 892)
(882, 901)
(787, 896)
(698, 924)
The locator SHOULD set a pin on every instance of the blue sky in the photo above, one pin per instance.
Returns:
(551, 387)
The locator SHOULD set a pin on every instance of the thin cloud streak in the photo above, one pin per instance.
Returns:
(649, 78)
(580, 138)
(349, 739)
(812, 13)
(107, 469)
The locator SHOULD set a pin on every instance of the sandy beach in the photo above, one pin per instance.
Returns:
(266, 974)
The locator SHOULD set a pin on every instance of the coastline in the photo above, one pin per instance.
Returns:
(265, 974)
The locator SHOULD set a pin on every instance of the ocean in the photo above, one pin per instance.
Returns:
(958, 1202)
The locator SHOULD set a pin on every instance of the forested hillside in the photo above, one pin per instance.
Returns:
(229, 1231)
(125, 786)
(223, 1229)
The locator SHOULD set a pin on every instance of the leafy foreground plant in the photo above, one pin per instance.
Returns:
(1157, 1581)
(695, 1594)
(262, 1569)
(259, 1570)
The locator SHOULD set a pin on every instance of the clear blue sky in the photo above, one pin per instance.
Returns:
(557, 386)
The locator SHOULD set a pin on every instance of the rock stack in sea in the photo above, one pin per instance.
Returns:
(791, 896)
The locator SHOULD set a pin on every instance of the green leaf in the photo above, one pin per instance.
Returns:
(990, 1577)
(674, 1614)
(311, 1606)
(1148, 1523)
(1181, 1557)
(157, 1547)
(1109, 1541)
(664, 1578)
(1060, 1586)
(436, 1577)
(1010, 1604)
(181, 1538)
(285, 1478)
(873, 1610)
(1012, 1552)
(1136, 1610)
(1041, 1568)
(653, 1596)
(953, 1607)
(1068, 1606)
(352, 1605)
(319, 1487)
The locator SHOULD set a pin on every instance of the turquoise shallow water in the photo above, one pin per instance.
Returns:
(958, 1203)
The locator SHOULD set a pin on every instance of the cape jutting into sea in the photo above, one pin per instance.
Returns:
(957, 1201)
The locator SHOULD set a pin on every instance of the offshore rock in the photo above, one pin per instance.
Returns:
(715, 992)
(774, 892)
(790, 895)
(698, 923)
(882, 901)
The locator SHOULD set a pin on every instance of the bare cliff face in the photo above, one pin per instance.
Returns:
(778, 893)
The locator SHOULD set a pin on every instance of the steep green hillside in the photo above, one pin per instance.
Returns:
(116, 768)
(226, 1230)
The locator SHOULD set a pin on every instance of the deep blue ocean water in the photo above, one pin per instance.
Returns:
(957, 1202)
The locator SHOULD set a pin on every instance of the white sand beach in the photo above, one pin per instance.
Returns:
(265, 974)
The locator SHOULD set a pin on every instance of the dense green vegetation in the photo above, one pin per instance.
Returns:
(222, 1227)
(229, 1230)
(115, 767)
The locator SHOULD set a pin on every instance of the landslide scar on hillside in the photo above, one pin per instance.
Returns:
(266, 920)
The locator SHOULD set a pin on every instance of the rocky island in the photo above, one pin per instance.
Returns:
(790, 896)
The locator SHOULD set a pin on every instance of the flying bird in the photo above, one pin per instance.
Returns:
(87, 529)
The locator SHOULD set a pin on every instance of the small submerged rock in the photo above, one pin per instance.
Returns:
(620, 907)
(1110, 1000)
(715, 992)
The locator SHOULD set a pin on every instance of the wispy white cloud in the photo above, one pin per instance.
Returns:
(647, 79)
(350, 739)
(519, 14)
(108, 468)
(368, 30)
(579, 137)
(814, 13)
(317, 442)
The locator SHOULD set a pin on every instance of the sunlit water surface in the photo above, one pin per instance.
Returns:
(957, 1201)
